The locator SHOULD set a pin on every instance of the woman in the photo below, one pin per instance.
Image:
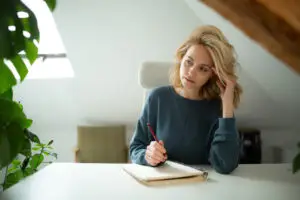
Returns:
(194, 117)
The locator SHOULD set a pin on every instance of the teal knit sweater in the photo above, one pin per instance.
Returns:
(193, 131)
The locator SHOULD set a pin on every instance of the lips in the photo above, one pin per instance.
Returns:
(189, 80)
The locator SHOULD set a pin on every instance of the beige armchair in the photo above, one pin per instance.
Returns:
(101, 144)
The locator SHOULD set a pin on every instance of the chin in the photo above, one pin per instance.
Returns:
(189, 85)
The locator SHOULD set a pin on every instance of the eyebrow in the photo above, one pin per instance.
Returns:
(191, 58)
(200, 64)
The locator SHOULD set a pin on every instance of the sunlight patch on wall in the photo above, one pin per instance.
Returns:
(51, 68)
(47, 65)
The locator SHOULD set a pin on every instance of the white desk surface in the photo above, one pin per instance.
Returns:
(70, 181)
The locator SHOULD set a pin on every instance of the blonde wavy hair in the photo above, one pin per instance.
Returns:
(222, 54)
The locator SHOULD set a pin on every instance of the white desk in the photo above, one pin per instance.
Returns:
(70, 181)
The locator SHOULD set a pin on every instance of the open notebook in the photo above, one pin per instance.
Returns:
(168, 171)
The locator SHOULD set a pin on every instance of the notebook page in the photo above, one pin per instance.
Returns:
(169, 170)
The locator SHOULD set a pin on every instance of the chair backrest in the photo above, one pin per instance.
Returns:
(101, 144)
(154, 74)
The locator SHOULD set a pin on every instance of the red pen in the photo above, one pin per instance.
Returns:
(153, 134)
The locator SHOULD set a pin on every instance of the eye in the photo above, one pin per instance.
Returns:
(189, 62)
(204, 69)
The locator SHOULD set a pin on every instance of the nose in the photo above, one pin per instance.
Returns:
(192, 70)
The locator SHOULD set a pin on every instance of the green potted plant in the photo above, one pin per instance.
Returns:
(296, 161)
(15, 136)
(28, 163)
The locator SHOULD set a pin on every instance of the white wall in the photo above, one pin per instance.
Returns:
(106, 42)
(284, 139)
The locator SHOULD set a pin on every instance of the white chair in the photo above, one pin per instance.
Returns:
(154, 74)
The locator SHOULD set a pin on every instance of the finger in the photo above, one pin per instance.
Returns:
(148, 158)
(214, 70)
(221, 87)
(164, 150)
(158, 156)
(153, 143)
(230, 80)
(231, 83)
(156, 161)
(219, 82)
(219, 79)
(165, 156)
(152, 161)
(156, 153)
(160, 147)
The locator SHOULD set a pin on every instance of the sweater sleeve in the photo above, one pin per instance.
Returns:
(141, 138)
(224, 150)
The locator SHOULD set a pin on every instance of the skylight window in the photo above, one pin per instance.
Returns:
(52, 61)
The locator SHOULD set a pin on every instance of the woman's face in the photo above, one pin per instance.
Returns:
(196, 67)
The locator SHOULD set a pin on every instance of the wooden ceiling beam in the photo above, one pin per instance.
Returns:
(274, 24)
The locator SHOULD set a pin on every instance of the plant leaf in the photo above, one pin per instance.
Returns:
(51, 4)
(51, 142)
(30, 24)
(5, 157)
(20, 66)
(296, 163)
(46, 153)
(25, 163)
(12, 142)
(13, 168)
(31, 51)
(16, 37)
(40, 145)
(21, 106)
(13, 178)
(26, 151)
(12, 123)
(54, 155)
(36, 160)
(28, 171)
(36, 148)
(6, 48)
(32, 137)
(7, 95)
(7, 79)
(28, 123)
(16, 162)
(11, 112)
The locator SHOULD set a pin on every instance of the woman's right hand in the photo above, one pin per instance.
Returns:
(155, 153)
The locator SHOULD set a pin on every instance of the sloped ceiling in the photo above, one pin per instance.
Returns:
(275, 25)
(271, 89)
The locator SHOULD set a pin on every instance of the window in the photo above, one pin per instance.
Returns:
(52, 61)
